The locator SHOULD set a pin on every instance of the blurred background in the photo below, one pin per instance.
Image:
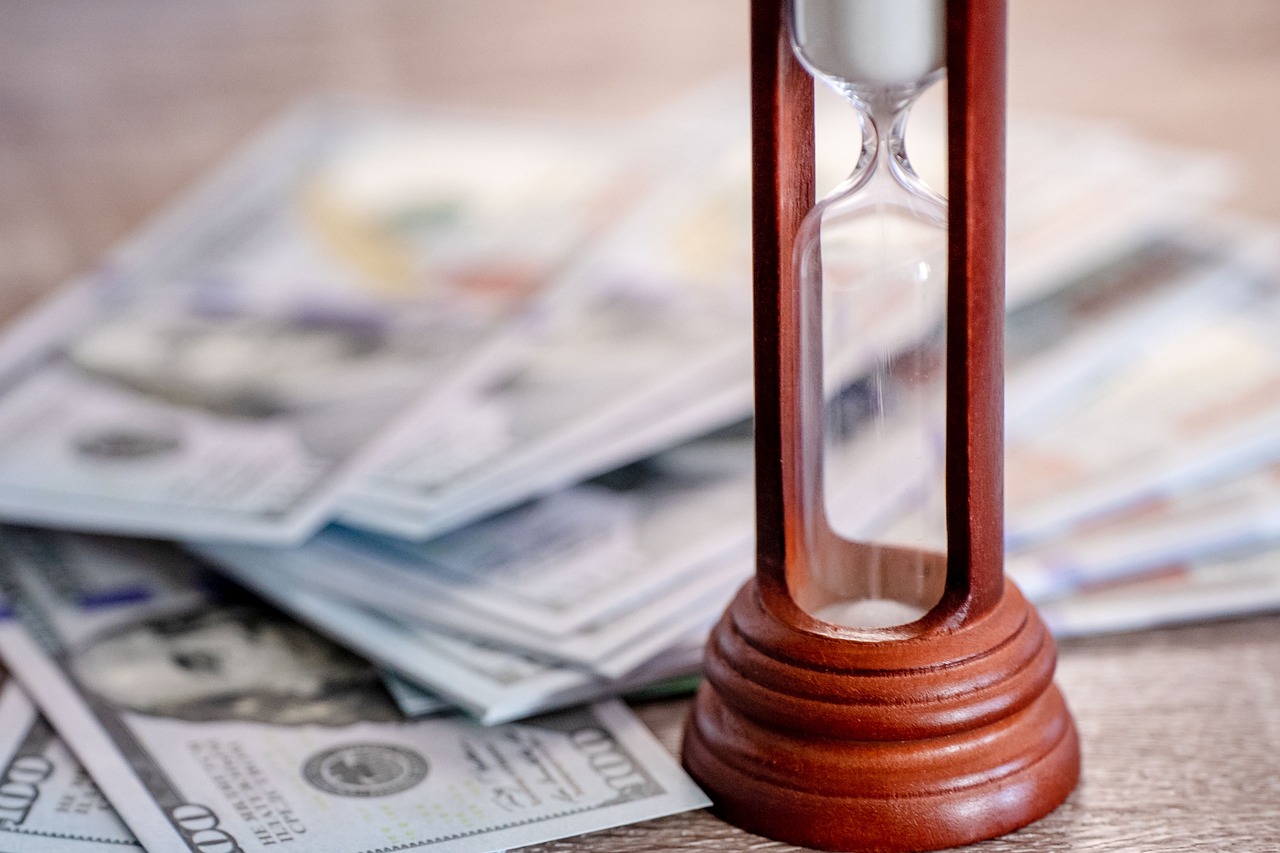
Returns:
(108, 108)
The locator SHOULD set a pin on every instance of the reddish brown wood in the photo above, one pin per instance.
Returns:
(975, 309)
(933, 741)
(924, 736)
(782, 193)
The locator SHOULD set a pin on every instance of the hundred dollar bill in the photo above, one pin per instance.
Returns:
(1059, 348)
(1080, 195)
(680, 416)
(569, 415)
(640, 349)
(1241, 584)
(491, 683)
(228, 727)
(1193, 402)
(1239, 513)
(582, 555)
(413, 700)
(48, 803)
(238, 366)
(581, 576)
(610, 648)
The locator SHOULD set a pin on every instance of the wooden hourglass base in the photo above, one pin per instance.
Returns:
(942, 739)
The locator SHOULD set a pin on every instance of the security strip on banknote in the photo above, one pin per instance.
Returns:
(227, 724)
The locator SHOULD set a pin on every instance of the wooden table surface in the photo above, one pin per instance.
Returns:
(108, 108)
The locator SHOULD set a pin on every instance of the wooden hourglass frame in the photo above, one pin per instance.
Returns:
(918, 737)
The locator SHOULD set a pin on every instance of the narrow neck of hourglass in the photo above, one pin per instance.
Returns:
(882, 156)
(882, 103)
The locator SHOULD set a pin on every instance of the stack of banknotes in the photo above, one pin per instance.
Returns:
(344, 498)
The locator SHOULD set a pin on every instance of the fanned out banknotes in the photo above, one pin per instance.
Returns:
(439, 428)
(215, 723)
(232, 371)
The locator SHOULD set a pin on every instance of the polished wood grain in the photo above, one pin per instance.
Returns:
(109, 108)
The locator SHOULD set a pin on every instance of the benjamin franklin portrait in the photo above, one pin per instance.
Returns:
(237, 662)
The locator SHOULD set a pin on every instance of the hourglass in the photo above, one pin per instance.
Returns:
(870, 274)
(879, 685)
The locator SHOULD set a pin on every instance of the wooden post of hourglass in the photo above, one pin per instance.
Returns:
(916, 737)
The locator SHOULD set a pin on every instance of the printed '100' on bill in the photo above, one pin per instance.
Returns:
(48, 803)
(215, 724)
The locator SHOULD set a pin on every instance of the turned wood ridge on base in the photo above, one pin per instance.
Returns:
(924, 736)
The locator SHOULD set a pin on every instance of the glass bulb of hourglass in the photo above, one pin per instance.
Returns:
(871, 259)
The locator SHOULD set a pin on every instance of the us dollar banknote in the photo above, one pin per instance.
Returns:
(213, 723)
(492, 684)
(676, 269)
(1245, 583)
(231, 371)
(48, 803)
(586, 556)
